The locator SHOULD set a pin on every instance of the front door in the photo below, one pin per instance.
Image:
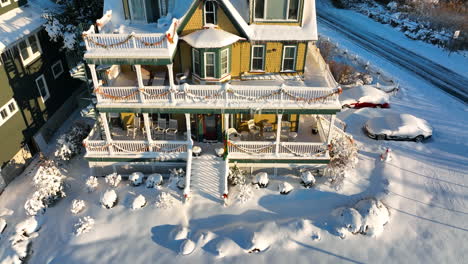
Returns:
(209, 128)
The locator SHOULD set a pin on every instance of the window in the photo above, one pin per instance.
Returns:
(29, 49)
(4, 2)
(162, 8)
(209, 64)
(258, 55)
(276, 10)
(7, 111)
(137, 10)
(225, 62)
(196, 62)
(57, 69)
(289, 58)
(42, 87)
(210, 12)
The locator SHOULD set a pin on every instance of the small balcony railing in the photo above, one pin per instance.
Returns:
(133, 147)
(262, 149)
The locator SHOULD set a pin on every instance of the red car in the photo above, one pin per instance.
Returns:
(364, 96)
(366, 104)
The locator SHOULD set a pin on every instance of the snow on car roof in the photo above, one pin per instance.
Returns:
(398, 124)
(364, 94)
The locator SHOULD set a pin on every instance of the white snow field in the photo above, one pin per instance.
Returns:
(424, 186)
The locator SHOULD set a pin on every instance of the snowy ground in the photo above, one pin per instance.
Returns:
(425, 186)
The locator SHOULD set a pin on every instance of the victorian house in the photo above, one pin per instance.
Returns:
(174, 77)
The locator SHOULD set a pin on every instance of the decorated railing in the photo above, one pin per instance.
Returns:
(125, 41)
(129, 147)
(323, 124)
(227, 95)
(285, 149)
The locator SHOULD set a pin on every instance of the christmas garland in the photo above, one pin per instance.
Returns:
(114, 97)
(250, 151)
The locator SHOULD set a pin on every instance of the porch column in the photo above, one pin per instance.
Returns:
(226, 124)
(188, 168)
(171, 81)
(330, 129)
(92, 69)
(278, 133)
(107, 132)
(148, 130)
(141, 85)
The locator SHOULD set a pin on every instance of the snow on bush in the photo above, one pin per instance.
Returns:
(84, 225)
(139, 202)
(177, 176)
(21, 240)
(374, 216)
(70, 144)
(187, 247)
(165, 200)
(236, 176)
(264, 237)
(285, 188)
(219, 152)
(91, 184)
(154, 180)
(261, 179)
(368, 217)
(50, 187)
(226, 247)
(245, 193)
(136, 178)
(307, 179)
(113, 179)
(77, 206)
(109, 199)
(343, 158)
(179, 233)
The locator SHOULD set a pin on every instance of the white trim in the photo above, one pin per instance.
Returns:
(227, 62)
(193, 61)
(214, 12)
(145, 19)
(252, 57)
(56, 75)
(47, 95)
(32, 56)
(9, 112)
(284, 53)
(5, 4)
(214, 64)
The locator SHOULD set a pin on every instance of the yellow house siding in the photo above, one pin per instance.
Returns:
(274, 51)
(301, 53)
(240, 58)
(196, 21)
(185, 52)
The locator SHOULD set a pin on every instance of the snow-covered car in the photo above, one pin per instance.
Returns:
(364, 96)
(398, 127)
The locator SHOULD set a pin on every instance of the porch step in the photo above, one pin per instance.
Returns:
(207, 177)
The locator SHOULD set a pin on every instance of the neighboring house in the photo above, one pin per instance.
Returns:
(240, 83)
(34, 82)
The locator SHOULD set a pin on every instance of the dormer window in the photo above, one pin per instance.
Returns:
(210, 12)
(276, 10)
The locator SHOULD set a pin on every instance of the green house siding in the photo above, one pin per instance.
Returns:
(217, 52)
(18, 81)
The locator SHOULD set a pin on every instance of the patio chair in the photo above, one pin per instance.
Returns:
(181, 78)
(233, 134)
(160, 130)
(253, 129)
(172, 130)
(133, 128)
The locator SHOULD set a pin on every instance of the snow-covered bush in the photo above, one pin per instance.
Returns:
(261, 179)
(245, 193)
(285, 188)
(187, 247)
(307, 179)
(350, 219)
(225, 247)
(84, 225)
(374, 216)
(236, 176)
(177, 176)
(154, 180)
(21, 240)
(91, 183)
(219, 152)
(165, 200)
(139, 202)
(136, 178)
(77, 206)
(343, 157)
(264, 237)
(113, 179)
(50, 187)
(70, 144)
(109, 199)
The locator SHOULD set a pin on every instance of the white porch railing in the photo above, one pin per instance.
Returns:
(324, 126)
(129, 147)
(286, 149)
(225, 95)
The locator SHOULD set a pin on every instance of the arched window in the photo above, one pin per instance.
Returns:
(210, 12)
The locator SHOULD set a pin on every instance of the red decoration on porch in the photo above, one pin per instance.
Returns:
(225, 195)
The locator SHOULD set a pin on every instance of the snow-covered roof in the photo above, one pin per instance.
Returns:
(210, 38)
(22, 21)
